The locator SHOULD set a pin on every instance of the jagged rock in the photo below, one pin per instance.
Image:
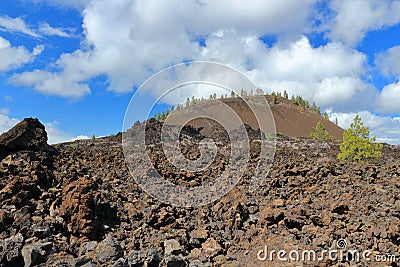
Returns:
(108, 250)
(211, 247)
(150, 258)
(29, 134)
(35, 253)
(172, 247)
(78, 207)
(10, 249)
(175, 261)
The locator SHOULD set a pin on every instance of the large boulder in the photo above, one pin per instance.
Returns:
(29, 134)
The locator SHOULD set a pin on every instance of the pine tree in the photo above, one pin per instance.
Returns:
(172, 109)
(320, 135)
(187, 102)
(158, 116)
(357, 145)
(307, 104)
(314, 107)
(336, 121)
(274, 99)
(232, 94)
(285, 94)
(259, 91)
(163, 116)
(326, 116)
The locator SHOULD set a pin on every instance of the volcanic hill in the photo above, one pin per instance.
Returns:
(290, 118)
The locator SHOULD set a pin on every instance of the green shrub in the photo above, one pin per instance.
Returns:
(320, 135)
(357, 145)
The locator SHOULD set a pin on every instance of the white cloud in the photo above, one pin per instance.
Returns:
(385, 128)
(14, 57)
(16, 25)
(355, 18)
(80, 137)
(46, 29)
(6, 123)
(155, 34)
(329, 75)
(56, 136)
(51, 83)
(388, 101)
(388, 61)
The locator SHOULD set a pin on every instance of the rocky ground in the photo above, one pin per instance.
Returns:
(75, 204)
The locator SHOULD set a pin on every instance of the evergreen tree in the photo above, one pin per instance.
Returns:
(314, 107)
(158, 116)
(326, 116)
(307, 104)
(285, 94)
(357, 145)
(320, 135)
(172, 109)
(336, 121)
(259, 91)
(232, 94)
(187, 102)
(163, 116)
(274, 99)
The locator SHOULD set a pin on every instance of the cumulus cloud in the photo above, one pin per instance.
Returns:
(329, 74)
(388, 61)
(353, 19)
(388, 101)
(51, 83)
(154, 34)
(385, 128)
(14, 57)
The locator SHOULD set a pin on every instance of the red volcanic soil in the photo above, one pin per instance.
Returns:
(290, 118)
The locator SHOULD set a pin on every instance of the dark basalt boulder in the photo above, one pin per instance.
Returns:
(29, 135)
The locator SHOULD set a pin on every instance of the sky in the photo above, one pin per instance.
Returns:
(75, 64)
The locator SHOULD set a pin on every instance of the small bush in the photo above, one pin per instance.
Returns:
(357, 145)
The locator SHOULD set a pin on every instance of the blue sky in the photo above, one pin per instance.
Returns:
(75, 64)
